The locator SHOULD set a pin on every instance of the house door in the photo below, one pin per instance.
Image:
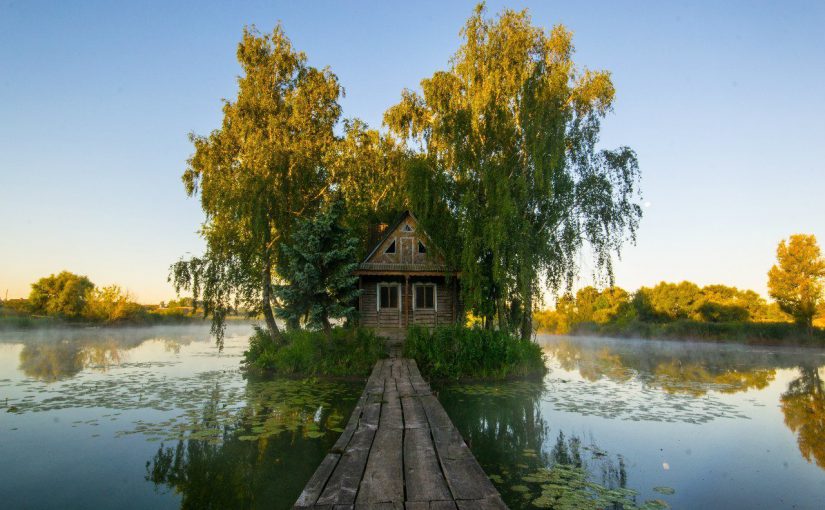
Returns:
(406, 249)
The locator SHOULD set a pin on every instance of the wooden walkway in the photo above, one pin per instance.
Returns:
(399, 451)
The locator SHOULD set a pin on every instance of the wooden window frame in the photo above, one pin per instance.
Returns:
(392, 285)
(415, 294)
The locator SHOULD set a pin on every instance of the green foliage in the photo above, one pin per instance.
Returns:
(111, 305)
(64, 295)
(797, 281)
(676, 311)
(504, 143)
(320, 261)
(345, 352)
(367, 172)
(263, 168)
(615, 310)
(69, 299)
(456, 352)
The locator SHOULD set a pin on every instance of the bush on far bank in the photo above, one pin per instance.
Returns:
(774, 333)
(347, 352)
(456, 352)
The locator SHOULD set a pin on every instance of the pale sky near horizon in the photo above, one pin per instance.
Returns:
(722, 101)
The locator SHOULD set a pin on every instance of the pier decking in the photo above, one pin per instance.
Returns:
(399, 451)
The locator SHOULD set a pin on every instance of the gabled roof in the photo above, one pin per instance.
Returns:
(431, 266)
(388, 232)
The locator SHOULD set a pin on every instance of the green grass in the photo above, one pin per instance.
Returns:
(755, 333)
(349, 352)
(11, 322)
(456, 352)
(11, 319)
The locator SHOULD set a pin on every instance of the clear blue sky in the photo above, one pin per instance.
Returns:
(723, 101)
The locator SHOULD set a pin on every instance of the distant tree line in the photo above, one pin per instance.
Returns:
(664, 302)
(796, 283)
(72, 297)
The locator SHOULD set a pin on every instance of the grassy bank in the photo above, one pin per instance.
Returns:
(754, 333)
(22, 321)
(456, 352)
(348, 352)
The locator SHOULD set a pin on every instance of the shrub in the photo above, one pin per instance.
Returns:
(346, 352)
(458, 352)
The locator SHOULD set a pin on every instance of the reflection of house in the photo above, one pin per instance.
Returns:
(405, 280)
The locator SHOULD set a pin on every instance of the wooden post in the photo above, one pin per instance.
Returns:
(360, 298)
(408, 304)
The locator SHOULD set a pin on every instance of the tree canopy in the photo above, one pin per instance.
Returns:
(506, 141)
(65, 294)
(797, 280)
(255, 175)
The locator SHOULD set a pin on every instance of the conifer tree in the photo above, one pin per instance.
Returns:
(318, 273)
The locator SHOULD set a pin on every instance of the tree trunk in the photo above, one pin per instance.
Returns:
(327, 327)
(527, 317)
(266, 302)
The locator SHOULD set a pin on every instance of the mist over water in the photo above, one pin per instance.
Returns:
(158, 417)
(155, 417)
(687, 424)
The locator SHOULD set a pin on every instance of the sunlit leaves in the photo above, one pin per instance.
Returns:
(512, 126)
(256, 174)
(798, 279)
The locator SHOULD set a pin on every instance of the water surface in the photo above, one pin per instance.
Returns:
(155, 418)
(648, 424)
(158, 418)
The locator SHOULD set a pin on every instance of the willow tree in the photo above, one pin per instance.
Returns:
(513, 127)
(255, 175)
(366, 170)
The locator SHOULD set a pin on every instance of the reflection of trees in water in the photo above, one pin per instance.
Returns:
(686, 372)
(726, 371)
(51, 362)
(239, 464)
(803, 405)
(504, 427)
(54, 355)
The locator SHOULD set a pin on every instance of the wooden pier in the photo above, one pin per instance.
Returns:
(399, 451)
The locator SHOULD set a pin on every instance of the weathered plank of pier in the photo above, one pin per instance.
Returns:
(399, 451)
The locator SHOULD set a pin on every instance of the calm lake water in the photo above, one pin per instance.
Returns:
(157, 417)
(687, 425)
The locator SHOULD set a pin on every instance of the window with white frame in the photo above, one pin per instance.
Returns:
(425, 295)
(387, 295)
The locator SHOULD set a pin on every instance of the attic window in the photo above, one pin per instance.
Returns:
(421, 247)
(390, 248)
(407, 228)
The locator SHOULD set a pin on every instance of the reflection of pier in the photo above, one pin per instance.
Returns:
(399, 451)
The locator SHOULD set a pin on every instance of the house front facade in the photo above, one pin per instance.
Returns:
(405, 281)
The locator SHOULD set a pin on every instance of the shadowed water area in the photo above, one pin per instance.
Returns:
(157, 417)
(649, 424)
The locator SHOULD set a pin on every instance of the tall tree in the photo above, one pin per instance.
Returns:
(797, 280)
(367, 171)
(319, 281)
(65, 294)
(262, 169)
(510, 132)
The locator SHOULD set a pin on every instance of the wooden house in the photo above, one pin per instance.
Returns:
(405, 281)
